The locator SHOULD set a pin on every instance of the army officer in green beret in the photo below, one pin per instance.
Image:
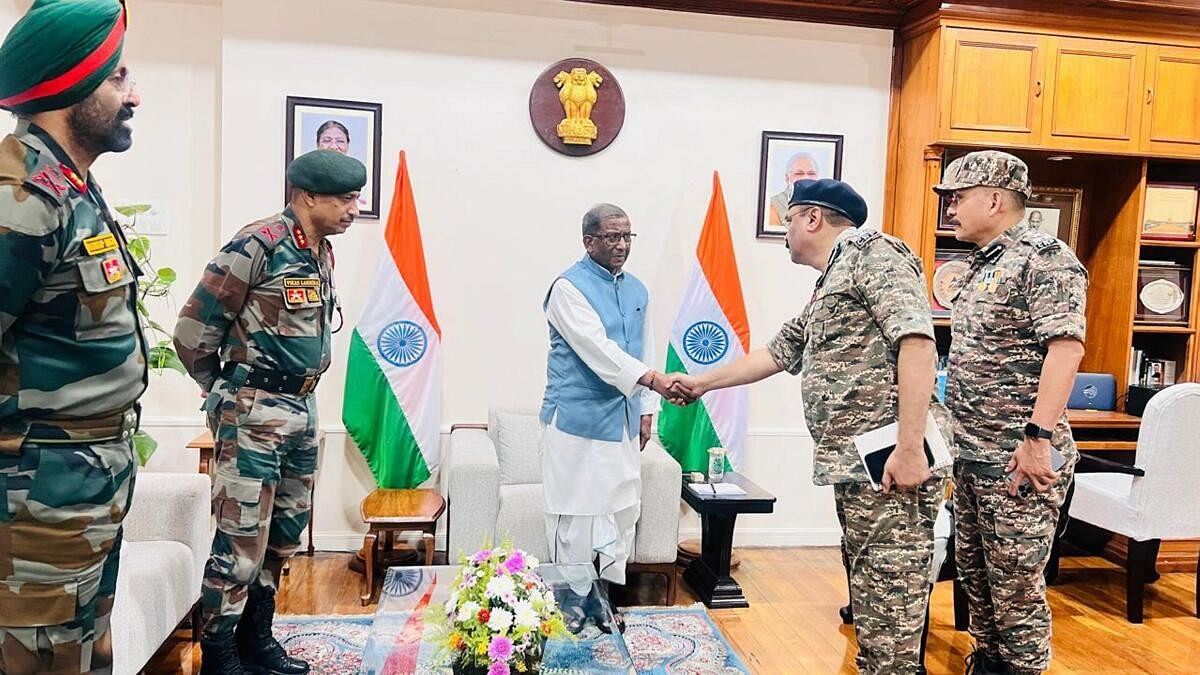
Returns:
(72, 355)
(255, 336)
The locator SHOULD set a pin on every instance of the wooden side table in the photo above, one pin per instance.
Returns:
(708, 575)
(389, 512)
(204, 443)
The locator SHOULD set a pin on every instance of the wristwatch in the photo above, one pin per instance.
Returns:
(1034, 431)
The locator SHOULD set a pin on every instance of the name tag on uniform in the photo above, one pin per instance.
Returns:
(112, 270)
(101, 243)
(302, 292)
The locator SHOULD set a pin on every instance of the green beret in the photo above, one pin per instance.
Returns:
(59, 53)
(327, 172)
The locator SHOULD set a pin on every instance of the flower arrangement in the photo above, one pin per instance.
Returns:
(499, 614)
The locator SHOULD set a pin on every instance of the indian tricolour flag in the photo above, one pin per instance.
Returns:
(710, 330)
(393, 400)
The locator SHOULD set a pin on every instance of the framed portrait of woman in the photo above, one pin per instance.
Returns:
(352, 128)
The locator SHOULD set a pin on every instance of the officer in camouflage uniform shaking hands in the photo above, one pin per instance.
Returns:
(255, 335)
(72, 355)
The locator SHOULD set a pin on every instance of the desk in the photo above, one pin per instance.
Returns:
(204, 443)
(708, 575)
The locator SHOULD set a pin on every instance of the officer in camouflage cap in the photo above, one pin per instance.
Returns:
(1017, 338)
(73, 360)
(255, 335)
(864, 349)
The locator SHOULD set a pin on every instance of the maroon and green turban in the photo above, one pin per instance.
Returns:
(59, 53)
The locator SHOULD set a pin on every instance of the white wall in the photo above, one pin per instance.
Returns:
(500, 212)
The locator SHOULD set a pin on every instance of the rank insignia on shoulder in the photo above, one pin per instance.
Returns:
(864, 237)
(1045, 245)
(113, 271)
(101, 243)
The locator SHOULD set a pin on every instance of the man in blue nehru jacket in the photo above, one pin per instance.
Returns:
(598, 402)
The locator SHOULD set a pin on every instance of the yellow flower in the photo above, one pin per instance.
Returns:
(456, 640)
(520, 666)
(481, 649)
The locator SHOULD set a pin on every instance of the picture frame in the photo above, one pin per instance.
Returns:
(353, 128)
(1170, 212)
(784, 158)
(1163, 294)
(1056, 211)
(948, 267)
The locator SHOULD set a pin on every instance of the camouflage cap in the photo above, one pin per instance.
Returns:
(988, 168)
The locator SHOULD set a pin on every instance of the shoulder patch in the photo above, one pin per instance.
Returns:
(270, 233)
(864, 236)
(1045, 243)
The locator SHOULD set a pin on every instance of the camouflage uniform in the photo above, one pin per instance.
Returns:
(845, 346)
(73, 362)
(265, 301)
(1022, 290)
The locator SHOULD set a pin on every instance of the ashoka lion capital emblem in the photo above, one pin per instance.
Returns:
(577, 92)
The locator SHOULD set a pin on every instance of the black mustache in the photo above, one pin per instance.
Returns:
(125, 113)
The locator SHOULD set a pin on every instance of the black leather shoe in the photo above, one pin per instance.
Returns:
(847, 615)
(979, 663)
(260, 652)
(218, 656)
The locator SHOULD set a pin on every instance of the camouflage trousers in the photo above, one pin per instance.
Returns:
(61, 508)
(266, 453)
(1002, 545)
(889, 549)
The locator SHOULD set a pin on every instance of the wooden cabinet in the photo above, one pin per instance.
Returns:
(992, 85)
(1171, 116)
(1094, 95)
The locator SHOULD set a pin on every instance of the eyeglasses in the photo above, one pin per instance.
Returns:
(122, 81)
(958, 196)
(612, 238)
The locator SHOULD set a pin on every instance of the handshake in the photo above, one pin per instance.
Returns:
(678, 388)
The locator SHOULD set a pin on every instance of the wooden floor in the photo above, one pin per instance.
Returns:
(792, 624)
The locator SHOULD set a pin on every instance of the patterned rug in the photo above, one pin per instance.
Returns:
(661, 640)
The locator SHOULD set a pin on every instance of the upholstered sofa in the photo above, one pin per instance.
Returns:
(494, 490)
(166, 542)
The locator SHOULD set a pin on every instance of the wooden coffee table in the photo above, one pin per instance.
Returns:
(388, 512)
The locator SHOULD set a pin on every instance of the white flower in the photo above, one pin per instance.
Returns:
(499, 586)
(449, 608)
(525, 615)
(500, 620)
(531, 562)
(468, 611)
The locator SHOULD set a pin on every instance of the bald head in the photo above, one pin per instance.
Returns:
(802, 166)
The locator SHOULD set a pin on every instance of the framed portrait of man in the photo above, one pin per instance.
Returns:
(787, 157)
(352, 128)
(1056, 211)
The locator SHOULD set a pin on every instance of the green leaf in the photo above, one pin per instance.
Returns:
(140, 248)
(144, 445)
(154, 324)
(163, 357)
(167, 275)
(132, 209)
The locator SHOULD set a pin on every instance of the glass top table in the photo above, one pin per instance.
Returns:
(398, 640)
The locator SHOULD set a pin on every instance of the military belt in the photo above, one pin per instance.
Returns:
(273, 380)
(99, 429)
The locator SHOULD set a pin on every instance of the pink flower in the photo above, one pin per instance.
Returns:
(500, 649)
(498, 668)
(481, 555)
(515, 562)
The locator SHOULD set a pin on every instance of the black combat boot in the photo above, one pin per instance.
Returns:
(261, 653)
(979, 663)
(218, 656)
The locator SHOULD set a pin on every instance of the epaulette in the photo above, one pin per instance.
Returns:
(864, 236)
(47, 178)
(270, 232)
(1044, 243)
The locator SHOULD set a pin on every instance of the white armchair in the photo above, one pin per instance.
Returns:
(494, 489)
(1158, 497)
(167, 535)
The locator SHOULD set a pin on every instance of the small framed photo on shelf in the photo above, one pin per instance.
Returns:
(943, 224)
(1170, 213)
(1163, 293)
(1056, 211)
(948, 269)
(785, 158)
